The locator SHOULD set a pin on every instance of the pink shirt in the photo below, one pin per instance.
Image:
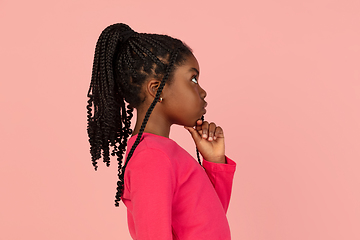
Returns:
(168, 194)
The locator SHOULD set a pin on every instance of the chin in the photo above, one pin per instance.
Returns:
(190, 124)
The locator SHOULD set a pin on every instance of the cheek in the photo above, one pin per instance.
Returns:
(190, 97)
(185, 97)
(182, 94)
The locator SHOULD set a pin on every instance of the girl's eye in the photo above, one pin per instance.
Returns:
(194, 79)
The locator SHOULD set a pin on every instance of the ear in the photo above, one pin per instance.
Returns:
(152, 87)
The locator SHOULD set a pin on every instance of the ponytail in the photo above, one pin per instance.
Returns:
(123, 60)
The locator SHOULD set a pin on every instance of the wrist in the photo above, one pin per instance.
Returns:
(221, 159)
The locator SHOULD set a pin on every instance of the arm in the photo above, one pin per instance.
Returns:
(221, 176)
(209, 140)
(151, 184)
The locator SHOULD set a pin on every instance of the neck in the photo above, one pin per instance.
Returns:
(155, 125)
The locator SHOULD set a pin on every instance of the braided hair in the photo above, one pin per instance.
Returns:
(123, 60)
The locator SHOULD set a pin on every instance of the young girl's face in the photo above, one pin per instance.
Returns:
(184, 100)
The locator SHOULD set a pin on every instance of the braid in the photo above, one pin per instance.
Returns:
(150, 54)
(120, 183)
(105, 126)
(123, 60)
(197, 151)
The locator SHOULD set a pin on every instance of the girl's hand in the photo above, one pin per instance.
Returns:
(209, 140)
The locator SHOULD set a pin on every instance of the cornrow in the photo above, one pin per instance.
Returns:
(123, 60)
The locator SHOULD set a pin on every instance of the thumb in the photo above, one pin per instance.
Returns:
(195, 135)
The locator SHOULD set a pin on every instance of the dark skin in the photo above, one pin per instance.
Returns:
(183, 104)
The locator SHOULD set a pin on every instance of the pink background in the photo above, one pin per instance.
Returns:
(282, 79)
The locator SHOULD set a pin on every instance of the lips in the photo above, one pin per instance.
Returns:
(204, 107)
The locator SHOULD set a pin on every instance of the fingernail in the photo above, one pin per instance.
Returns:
(210, 138)
(204, 135)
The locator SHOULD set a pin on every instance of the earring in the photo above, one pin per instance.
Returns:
(161, 99)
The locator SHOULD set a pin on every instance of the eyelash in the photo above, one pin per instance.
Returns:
(194, 77)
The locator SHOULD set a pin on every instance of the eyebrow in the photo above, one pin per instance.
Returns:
(194, 69)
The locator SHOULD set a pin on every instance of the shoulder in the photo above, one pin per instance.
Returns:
(149, 163)
(158, 151)
(156, 144)
(152, 150)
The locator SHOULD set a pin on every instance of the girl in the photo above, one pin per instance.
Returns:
(168, 194)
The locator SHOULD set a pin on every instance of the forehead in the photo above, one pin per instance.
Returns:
(189, 65)
(192, 62)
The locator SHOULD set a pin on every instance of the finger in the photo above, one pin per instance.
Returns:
(211, 134)
(194, 134)
(198, 124)
(219, 133)
(205, 129)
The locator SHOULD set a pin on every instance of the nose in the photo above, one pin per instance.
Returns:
(202, 93)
